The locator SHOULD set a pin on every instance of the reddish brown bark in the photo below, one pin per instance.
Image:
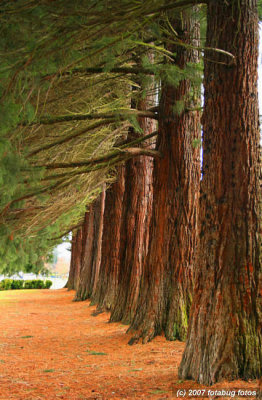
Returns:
(70, 282)
(84, 238)
(165, 294)
(91, 253)
(259, 392)
(224, 340)
(136, 216)
(78, 257)
(104, 295)
(75, 260)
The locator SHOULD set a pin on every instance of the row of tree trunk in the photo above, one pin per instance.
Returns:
(159, 237)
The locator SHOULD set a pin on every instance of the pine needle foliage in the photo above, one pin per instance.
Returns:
(81, 58)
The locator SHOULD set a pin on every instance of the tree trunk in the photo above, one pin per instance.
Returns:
(106, 283)
(224, 340)
(165, 294)
(78, 257)
(73, 271)
(259, 392)
(136, 216)
(91, 249)
(70, 282)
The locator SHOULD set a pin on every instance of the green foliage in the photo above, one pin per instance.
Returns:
(196, 143)
(48, 284)
(158, 391)
(17, 284)
(34, 284)
(179, 107)
(8, 284)
(41, 45)
(260, 9)
(96, 353)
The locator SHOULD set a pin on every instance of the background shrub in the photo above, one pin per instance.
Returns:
(17, 284)
(38, 284)
(28, 285)
(6, 284)
(48, 284)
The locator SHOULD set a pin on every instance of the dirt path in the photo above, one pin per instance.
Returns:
(52, 348)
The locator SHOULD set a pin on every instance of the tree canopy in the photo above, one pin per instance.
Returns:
(67, 77)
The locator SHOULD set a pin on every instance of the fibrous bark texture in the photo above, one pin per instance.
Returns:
(78, 257)
(75, 260)
(224, 340)
(136, 216)
(91, 253)
(105, 293)
(166, 287)
(259, 392)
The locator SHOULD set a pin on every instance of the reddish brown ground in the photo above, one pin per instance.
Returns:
(47, 351)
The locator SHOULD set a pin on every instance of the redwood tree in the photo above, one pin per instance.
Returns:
(136, 216)
(91, 249)
(165, 294)
(259, 393)
(75, 263)
(107, 281)
(225, 330)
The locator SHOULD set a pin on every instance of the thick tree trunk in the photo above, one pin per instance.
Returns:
(136, 216)
(106, 283)
(224, 340)
(74, 267)
(99, 218)
(91, 254)
(78, 257)
(259, 392)
(70, 282)
(165, 294)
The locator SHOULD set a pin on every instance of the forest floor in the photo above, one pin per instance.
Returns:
(53, 348)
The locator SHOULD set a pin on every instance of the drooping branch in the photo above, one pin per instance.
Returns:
(101, 70)
(82, 132)
(33, 194)
(118, 159)
(83, 117)
(133, 152)
(126, 143)
(73, 136)
(173, 5)
(68, 231)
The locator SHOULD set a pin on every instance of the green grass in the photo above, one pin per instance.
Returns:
(49, 370)
(26, 337)
(96, 353)
(158, 391)
(136, 369)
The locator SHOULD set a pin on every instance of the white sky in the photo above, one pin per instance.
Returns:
(62, 250)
